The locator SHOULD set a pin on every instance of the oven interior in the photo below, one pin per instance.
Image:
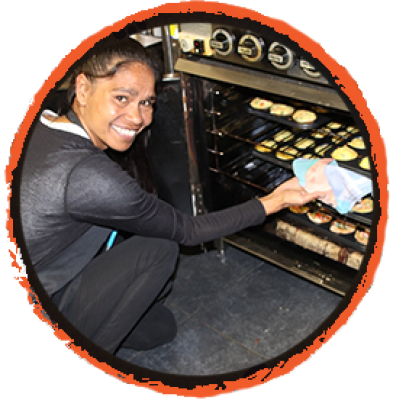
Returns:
(245, 153)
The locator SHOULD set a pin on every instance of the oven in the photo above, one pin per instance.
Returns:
(236, 152)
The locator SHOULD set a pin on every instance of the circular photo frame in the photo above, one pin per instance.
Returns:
(217, 42)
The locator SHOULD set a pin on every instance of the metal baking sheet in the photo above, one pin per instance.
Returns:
(330, 140)
(288, 121)
(324, 230)
(257, 172)
(362, 218)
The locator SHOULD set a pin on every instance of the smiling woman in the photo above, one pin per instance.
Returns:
(115, 109)
(103, 63)
(72, 195)
(113, 92)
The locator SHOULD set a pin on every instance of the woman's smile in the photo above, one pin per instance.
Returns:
(126, 133)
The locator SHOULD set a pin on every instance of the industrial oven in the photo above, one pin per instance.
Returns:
(236, 151)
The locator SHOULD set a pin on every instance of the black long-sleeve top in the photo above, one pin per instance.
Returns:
(73, 195)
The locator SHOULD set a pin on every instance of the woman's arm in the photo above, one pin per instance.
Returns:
(99, 192)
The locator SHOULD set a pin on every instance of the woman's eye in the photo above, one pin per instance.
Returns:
(147, 103)
(121, 99)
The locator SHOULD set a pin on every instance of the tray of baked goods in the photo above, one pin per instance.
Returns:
(361, 212)
(343, 229)
(336, 140)
(345, 144)
(289, 113)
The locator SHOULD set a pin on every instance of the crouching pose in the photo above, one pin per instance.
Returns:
(73, 196)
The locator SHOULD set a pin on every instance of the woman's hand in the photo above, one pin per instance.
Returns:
(288, 194)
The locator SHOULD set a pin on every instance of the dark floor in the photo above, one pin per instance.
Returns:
(234, 313)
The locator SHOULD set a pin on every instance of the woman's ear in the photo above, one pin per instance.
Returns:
(82, 89)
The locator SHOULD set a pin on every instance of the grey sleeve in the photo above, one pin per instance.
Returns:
(99, 192)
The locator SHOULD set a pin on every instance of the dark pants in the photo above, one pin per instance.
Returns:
(119, 292)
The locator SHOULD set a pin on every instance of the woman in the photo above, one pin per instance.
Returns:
(73, 195)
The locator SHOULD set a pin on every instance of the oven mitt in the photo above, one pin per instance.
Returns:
(343, 188)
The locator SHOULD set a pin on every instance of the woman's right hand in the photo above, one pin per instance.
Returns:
(289, 194)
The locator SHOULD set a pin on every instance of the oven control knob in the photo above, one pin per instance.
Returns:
(222, 42)
(280, 56)
(309, 69)
(251, 48)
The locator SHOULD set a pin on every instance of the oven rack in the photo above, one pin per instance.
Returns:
(287, 121)
(346, 241)
(323, 114)
(265, 177)
(235, 131)
(290, 148)
(325, 136)
(324, 229)
(266, 131)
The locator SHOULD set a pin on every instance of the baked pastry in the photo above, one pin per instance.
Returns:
(318, 135)
(281, 110)
(362, 236)
(342, 227)
(266, 146)
(283, 136)
(352, 129)
(337, 139)
(365, 163)
(344, 153)
(319, 217)
(357, 143)
(261, 104)
(322, 149)
(365, 206)
(299, 209)
(304, 116)
(334, 125)
(304, 143)
(286, 153)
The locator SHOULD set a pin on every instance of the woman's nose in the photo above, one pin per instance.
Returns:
(134, 115)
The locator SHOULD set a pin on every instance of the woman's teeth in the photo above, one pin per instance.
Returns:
(125, 132)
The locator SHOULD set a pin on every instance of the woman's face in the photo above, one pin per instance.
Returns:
(114, 110)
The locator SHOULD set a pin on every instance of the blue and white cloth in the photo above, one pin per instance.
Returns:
(348, 187)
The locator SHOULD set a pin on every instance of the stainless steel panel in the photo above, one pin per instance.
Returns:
(258, 80)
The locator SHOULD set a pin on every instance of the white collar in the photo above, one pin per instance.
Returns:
(63, 126)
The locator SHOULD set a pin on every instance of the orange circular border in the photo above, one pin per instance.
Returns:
(348, 87)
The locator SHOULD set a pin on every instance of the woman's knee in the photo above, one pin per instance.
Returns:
(156, 254)
(168, 252)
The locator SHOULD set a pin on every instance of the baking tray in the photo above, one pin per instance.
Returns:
(257, 172)
(256, 134)
(288, 121)
(240, 125)
(362, 218)
(322, 116)
(332, 140)
(323, 230)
